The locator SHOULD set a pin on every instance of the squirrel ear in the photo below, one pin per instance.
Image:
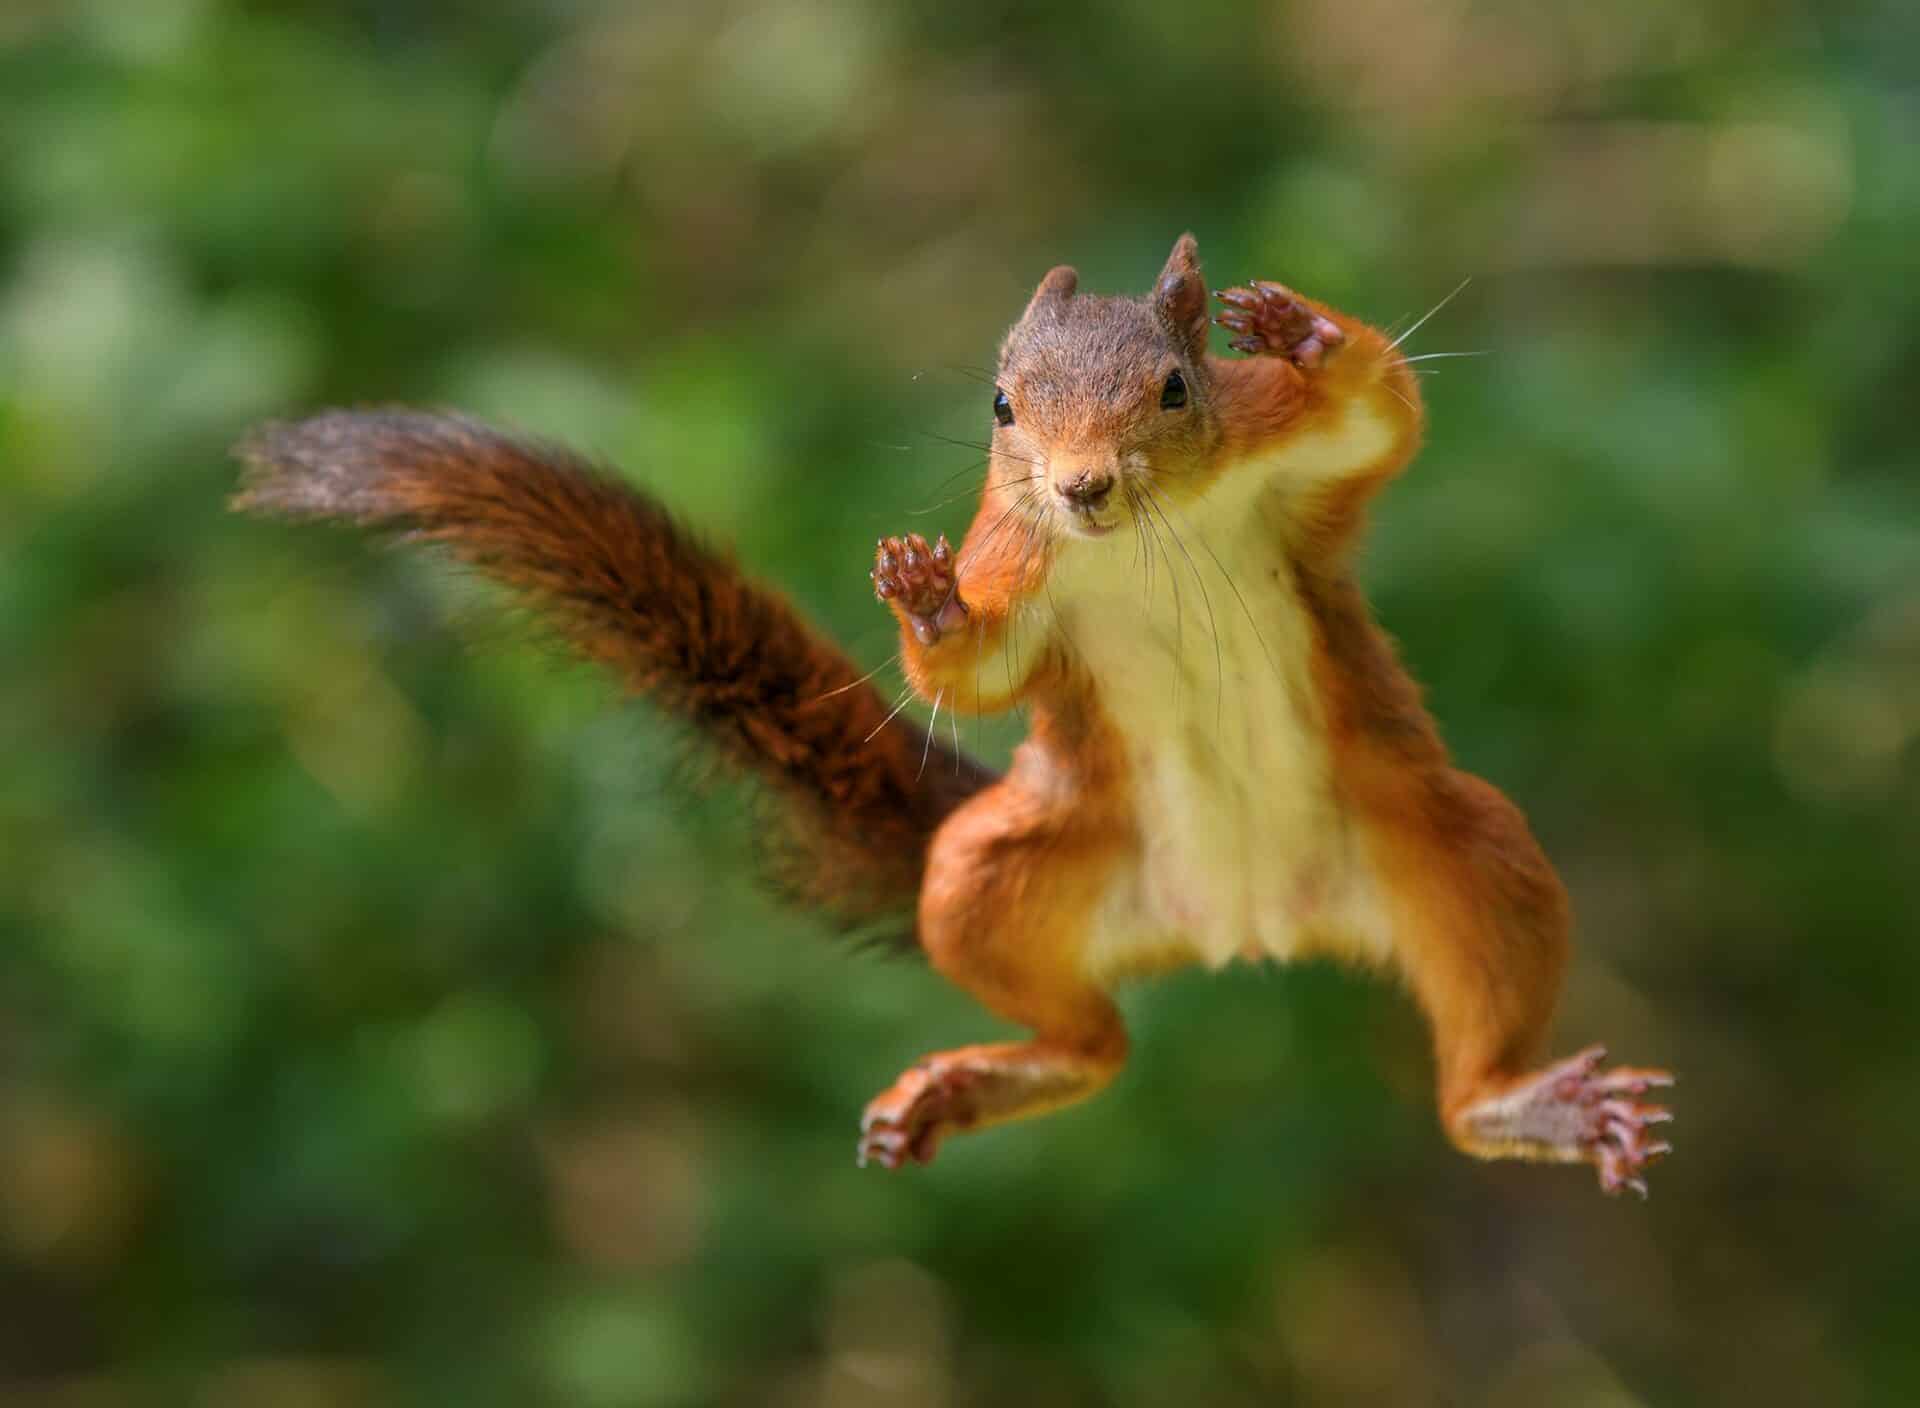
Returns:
(1180, 296)
(1057, 287)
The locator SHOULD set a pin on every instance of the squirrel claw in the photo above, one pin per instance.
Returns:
(1273, 320)
(921, 579)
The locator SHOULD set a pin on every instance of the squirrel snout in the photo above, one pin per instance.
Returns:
(1086, 490)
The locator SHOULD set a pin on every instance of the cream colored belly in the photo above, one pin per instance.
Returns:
(1244, 851)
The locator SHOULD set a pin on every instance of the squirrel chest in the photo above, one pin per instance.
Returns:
(1199, 652)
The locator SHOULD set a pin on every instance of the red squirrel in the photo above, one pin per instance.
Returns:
(1226, 758)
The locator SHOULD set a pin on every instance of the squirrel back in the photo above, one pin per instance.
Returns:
(855, 793)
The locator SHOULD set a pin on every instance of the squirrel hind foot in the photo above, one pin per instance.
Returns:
(1574, 1112)
(952, 1092)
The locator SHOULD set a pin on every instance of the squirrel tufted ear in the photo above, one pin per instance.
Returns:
(1180, 296)
(1057, 287)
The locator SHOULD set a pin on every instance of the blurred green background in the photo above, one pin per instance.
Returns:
(383, 1021)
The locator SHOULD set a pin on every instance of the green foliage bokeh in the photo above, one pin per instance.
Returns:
(384, 1019)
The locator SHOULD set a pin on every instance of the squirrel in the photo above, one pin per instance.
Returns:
(1226, 758)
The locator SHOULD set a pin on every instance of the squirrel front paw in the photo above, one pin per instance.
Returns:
(921, 580)
(1274, 320)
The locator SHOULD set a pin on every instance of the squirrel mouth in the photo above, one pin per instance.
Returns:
(1084, 525)
(1094, 520)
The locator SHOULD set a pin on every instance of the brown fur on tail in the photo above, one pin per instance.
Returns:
(626, 586)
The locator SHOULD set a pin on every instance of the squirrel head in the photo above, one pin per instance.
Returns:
(1097, 397)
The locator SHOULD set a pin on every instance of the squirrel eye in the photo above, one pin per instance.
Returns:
(1002, 408)
(1174, 394)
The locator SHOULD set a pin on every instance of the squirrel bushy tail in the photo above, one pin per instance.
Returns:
(856, 795)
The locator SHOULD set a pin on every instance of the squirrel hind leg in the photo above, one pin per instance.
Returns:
(1013, 880)
(1481, 927)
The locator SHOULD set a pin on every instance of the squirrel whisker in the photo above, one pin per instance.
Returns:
(1395, 344)
(926, 749)
(1219, 667)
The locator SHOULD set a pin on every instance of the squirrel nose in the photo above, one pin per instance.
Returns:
(1087, 489)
